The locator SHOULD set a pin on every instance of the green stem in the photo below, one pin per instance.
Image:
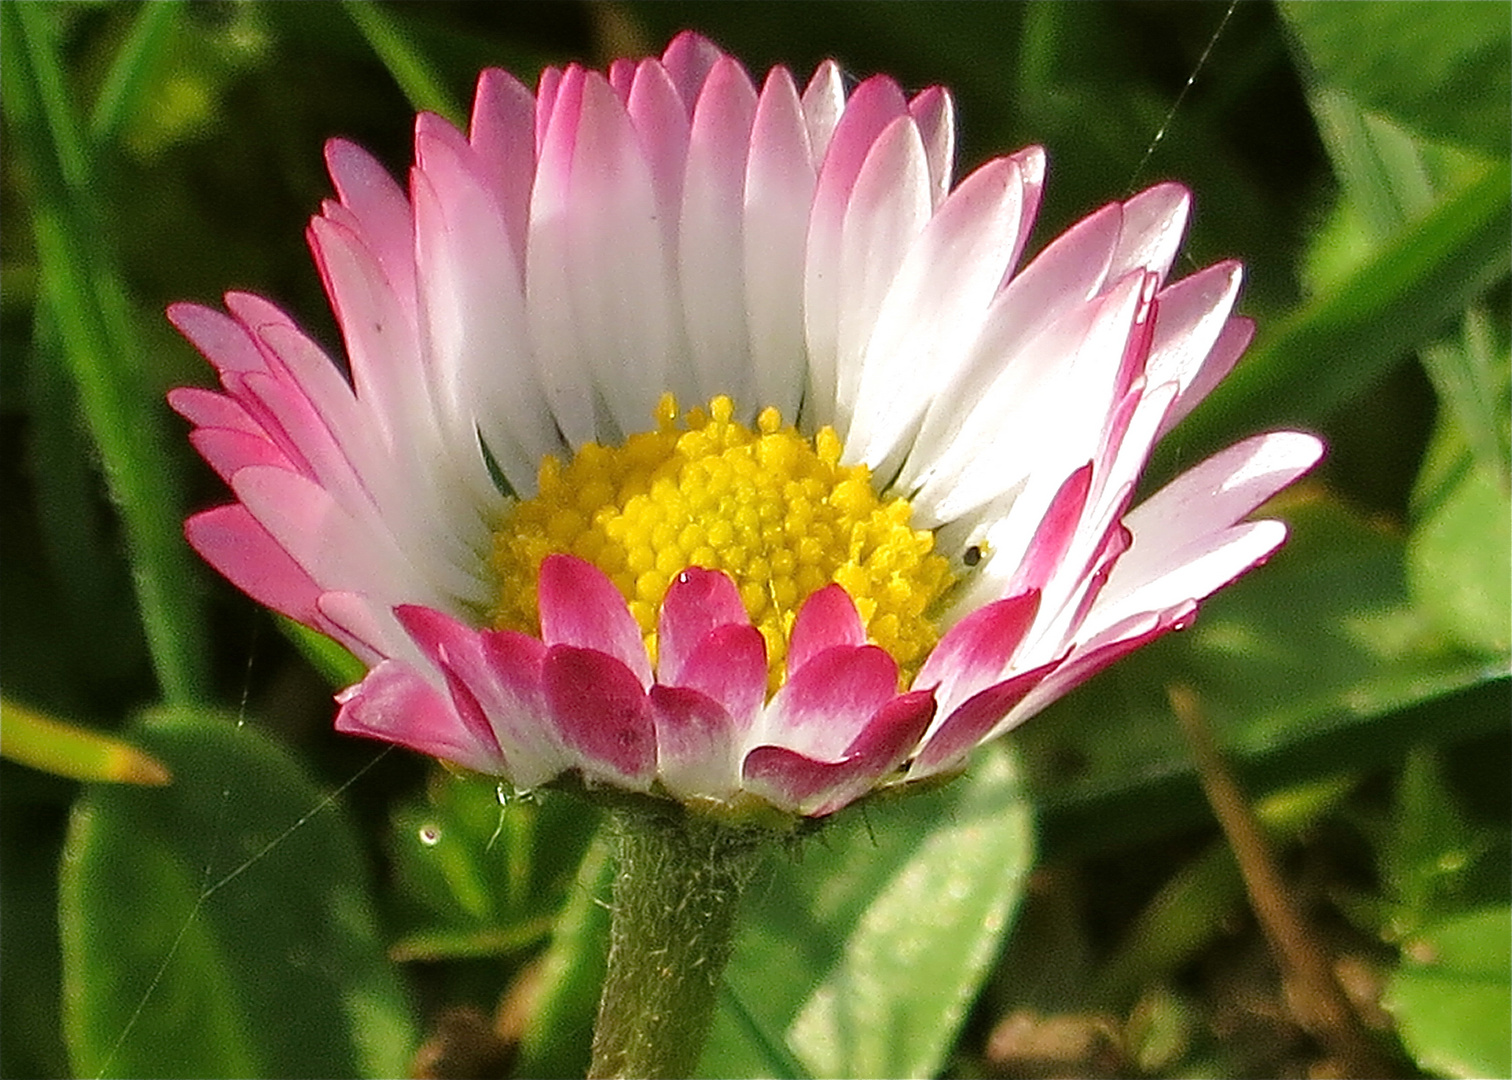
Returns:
(676, 897)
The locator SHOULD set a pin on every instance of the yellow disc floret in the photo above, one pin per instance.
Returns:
(774, 510)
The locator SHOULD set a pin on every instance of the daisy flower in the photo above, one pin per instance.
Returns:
(706, 440)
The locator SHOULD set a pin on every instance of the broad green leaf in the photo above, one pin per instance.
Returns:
(1461, 546)
(1440, 68)
(1427, 859)
(861, 956)
(1452, 995)
(486, 870)
(1318, 663)
(222, 926)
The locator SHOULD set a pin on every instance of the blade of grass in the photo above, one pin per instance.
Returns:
(418, 79)
(130, 73)
(1400, 299)
(82, 287)
(75, 752)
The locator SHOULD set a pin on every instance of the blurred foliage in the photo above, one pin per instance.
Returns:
(311, 906)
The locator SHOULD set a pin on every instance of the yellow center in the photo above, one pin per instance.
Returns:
(775, 511)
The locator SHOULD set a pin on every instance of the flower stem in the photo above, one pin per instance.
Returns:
(676, 896)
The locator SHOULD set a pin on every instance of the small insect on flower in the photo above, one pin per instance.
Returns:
(705, 440)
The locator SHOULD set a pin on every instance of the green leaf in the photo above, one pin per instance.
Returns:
(861, 957)
(222, 926)
(488, 870)
(1452, 995)
(560, 1032)
(1461, 546)
(1352, 679)
(1439, 68)
(1429, 855)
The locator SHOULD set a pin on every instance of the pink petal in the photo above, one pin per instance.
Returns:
(396, 705)
(455, 650)
(220, 338)
(381, 209)
(503, 119)
(561, 361)
(1056, 531)
(689, 58)
(729, 665)
(827, 619)
(696, 744)
(697, 601)
(206, 408)
(1192, 313)
(497, 672)
(711, 230)
(660, 118)
(602, 715)
(889, 207)
(876, 103)
(1210, 497)
(934, 114)
(225, 451)
(624, 282)
(969, 723)
(779, 190)
(1233, 339)
(807, 785)
(826, 703)
(976, 651)
(1153, 224)
(580, 606)
(230, 539)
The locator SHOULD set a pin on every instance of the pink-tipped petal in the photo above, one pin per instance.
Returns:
(230, 539)
(1056, 531)
(729, 665)
(814, 786)
(976, 651)
(1153, 224)
(826, 620)
(395, 704)
(779, 189)
(602, 715)
(968, 724)
(502, 135)
(580, 606)
(696, 744)
(826, 703)
(697, 601)
(711, 233)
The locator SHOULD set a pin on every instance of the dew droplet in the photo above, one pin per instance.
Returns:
(430, 836)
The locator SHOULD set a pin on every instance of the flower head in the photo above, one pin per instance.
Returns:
(706, 441)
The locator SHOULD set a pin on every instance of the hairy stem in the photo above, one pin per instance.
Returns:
(676, 897)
